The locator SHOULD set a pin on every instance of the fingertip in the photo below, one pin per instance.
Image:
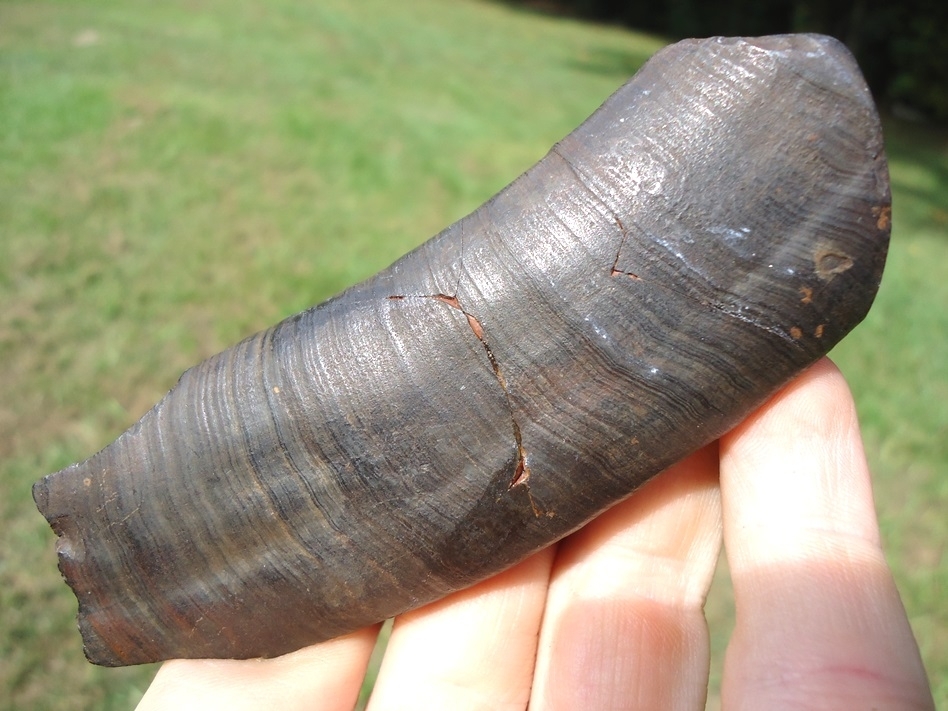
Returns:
(819, 620)
(818, 395)
(473, 649)
(332, 671)
(624, 613)
(794, 476)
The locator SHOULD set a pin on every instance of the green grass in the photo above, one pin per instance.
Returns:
(174, 176)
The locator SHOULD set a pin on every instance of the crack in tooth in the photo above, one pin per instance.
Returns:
(719, 307)
(522, 472)
(615, 262)
(722, 308)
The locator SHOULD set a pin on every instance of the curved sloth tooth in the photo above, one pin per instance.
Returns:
(715, 227)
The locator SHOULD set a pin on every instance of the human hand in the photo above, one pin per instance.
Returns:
(612, 616)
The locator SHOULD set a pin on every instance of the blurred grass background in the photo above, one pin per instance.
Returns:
(176, 175)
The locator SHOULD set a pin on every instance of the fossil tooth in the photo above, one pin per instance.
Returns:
(714, 228)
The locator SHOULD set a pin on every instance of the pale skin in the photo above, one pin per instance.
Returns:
(612, 617)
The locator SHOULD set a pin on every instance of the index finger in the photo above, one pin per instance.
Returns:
(819, 620)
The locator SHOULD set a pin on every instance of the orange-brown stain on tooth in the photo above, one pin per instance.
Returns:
(475, 326)
(829, 263)
(883, 215)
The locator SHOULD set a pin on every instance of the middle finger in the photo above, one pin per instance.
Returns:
(624, 624)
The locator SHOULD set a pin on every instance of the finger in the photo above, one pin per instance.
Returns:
(819, 621)
(473, 650)
(327, 676)
(624, 626)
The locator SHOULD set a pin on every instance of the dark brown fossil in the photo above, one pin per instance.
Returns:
(715, 227)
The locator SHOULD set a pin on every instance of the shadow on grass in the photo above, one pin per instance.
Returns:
(919, 170)
(603, 61)
(607, 61)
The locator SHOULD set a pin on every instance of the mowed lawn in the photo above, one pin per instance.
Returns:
(177, 175)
